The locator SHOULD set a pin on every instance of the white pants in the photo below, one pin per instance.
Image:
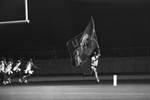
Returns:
(95, 71)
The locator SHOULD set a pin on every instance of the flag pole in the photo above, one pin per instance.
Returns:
(95, 33)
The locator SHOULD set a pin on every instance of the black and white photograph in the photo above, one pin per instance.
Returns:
(74, 49)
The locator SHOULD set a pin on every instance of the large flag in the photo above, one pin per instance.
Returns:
(82, 45)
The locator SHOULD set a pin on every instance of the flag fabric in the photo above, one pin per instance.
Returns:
(81, 46)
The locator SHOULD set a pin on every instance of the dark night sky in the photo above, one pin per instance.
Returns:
(119, 23)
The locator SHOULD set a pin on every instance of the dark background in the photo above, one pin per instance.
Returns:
(119, 23)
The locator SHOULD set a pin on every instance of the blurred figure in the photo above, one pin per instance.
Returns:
(94, 63)
(28, 71)
(2, 70)
(2, 65)
(17, 68)
(9, 71)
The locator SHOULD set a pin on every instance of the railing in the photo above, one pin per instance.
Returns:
(126, 52)
(64, 54)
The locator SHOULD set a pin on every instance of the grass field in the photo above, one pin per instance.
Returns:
(77, 88)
